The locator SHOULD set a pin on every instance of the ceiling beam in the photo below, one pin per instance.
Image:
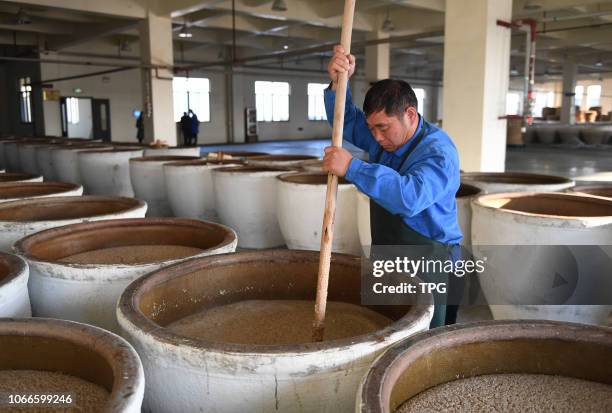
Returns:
(87, 33)
(518, 6)
(309, 12)
(432, 5)
(180, 8)
(38, 25)
(116, 8)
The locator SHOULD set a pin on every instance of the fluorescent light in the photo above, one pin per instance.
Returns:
(388, 25)
(184, 33)
(532, 5)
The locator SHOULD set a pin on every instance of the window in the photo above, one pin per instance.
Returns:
(25, 104)
(513, 103)
(316, 105)
(579, 91)
(420, 95)
(272, 101)
(72, 110)
(593, 95)
(191, 93)
(542, 100)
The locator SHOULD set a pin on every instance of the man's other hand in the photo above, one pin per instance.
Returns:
(336, 160)
(339, 63)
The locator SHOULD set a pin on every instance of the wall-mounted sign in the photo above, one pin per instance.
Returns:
(51, 94)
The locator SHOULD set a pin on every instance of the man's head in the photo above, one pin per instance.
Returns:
(390, 107)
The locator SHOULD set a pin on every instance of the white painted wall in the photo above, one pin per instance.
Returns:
(298, 126)
(123, 89)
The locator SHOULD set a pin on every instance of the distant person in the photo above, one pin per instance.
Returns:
(186, 128)
(195, 127)
(140, 128)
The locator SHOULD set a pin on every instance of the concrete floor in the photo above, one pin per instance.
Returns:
(296, 147)
(571, 162)
(560, 160)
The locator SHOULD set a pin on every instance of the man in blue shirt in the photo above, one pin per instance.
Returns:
(413, 173)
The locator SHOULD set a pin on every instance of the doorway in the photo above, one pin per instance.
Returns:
(85, 117)
(101, 119)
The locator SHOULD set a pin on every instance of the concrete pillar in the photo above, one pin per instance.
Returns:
(568, 102)
(377, 58)
(476, 77)
(156, 49)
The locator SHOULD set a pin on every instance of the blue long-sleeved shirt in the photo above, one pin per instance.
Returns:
(421, 190)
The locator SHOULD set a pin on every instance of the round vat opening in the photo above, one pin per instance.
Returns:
(60, 208)
(494, 362)
(125, 241)
(283, 158)
(163, 158)
(549, 204)
(204, 162)
(15, 176)
(466, 190)
(10, 267)
(604, 191)
(98, 369)
(251, 169)
(27, 189)
(515, 178)
(309, 179)
(260, 301)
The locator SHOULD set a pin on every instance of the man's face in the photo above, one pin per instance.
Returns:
(391, 132)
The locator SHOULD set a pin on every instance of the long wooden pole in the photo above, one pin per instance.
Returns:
(327, 233)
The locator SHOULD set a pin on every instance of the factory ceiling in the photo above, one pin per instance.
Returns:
(299, 32)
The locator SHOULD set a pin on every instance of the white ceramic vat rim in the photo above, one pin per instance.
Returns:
(151, 332)
(137, 205)
(544, 220)
(18, 267)
(128, 373)
(228, 243)
(282, 179)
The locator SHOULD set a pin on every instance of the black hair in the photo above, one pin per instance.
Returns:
(392, 95)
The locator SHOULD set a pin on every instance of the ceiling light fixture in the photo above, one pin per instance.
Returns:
(388, 25)
(22, 18)
(286, 46)
(599, 63)
(532, 5)
(124, 46)
(279, 5)
(184, 33)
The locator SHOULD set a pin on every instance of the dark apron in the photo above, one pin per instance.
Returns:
(390, 229)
